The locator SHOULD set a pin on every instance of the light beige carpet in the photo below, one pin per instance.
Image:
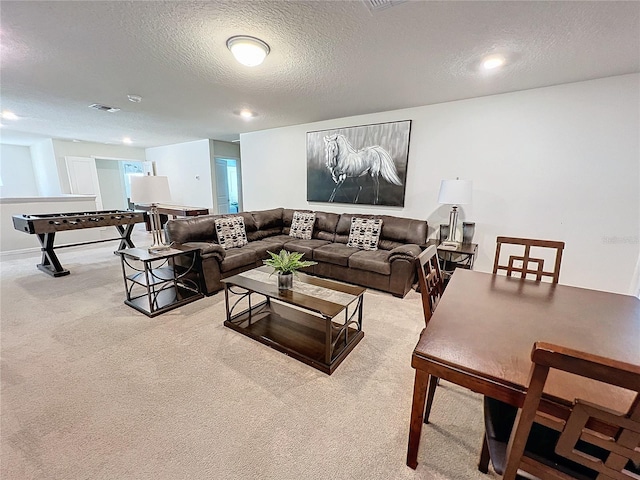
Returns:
(92, 389)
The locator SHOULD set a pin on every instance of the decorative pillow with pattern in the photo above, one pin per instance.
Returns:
(231, 232)
(302, 225)
(365, 233)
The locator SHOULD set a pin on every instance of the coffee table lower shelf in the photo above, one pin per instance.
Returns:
(295, 333)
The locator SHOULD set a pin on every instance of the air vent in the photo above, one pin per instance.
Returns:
(376, 5)
(104, 108)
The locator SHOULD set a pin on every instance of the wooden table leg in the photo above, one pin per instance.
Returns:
(417, 411)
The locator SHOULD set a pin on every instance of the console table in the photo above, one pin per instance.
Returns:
(155, 282)
(174, 210)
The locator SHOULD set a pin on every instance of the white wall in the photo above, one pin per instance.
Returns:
(45, 169)
(188, 168)
(65, 148)
(16, 172)
(557, 163)
(111, 181)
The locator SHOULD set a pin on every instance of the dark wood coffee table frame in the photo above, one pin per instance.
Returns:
(305, 327)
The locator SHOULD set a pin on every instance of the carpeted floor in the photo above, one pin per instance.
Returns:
(92, 389)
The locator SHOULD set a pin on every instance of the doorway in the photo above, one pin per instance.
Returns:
(227, 185)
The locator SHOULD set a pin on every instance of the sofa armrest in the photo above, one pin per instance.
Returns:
(208, 249)
(408, 253)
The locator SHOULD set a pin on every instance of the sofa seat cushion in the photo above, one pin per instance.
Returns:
(278, 240)
(238, 258)
(372, 261)
(261, 247)
(304, 246)
(335, 253)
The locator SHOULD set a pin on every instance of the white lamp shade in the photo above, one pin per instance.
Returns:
(150, 189)
(455, 192)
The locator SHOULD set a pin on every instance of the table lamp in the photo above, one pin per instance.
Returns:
(152, 190)
(454, 192)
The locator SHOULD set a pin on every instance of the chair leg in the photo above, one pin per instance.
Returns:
(483, 464)
(433, 383)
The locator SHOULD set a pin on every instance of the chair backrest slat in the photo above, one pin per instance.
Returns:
(526, 259)
(616, 449)
(430, 280)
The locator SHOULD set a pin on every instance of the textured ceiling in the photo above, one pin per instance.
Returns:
(329, 59)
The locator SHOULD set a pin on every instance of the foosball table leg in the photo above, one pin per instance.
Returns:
(50, 263)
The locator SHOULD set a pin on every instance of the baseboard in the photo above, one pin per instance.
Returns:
(21, 252)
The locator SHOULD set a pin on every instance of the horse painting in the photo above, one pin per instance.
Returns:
(344, 161)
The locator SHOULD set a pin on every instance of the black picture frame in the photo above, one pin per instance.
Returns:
(365, 165)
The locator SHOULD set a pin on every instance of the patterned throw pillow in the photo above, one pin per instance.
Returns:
(365, 233)
(231, 232)
(302, 225)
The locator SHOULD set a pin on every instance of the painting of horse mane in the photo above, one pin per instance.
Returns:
(362, 165)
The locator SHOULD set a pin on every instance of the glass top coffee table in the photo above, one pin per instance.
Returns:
(318, 321)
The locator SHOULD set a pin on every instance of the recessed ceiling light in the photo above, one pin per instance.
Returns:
(127, 140)
(246, 113)
(134, 98)
(249, 51)
(493, 61)
(7, 115)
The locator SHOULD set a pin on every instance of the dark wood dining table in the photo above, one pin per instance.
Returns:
(484, 327)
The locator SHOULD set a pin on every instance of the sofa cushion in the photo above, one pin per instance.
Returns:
(364, 233)
(398, 231)
(336, 253)
(325, 228)
(267, 219)
(238, 258)
(231, 232)
(280, 239)
(193, 229)
(267, 223)
(261, 247)
(302, 225)
(372, 261)
(305, 246)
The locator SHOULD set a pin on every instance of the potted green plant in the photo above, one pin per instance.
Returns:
(285, 264)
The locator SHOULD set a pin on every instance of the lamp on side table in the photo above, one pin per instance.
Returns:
(152, 190)
(454, 192)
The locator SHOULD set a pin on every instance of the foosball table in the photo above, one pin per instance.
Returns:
(45, 227)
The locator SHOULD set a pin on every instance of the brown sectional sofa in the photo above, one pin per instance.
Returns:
(390, 268)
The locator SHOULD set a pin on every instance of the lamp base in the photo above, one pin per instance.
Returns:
(158, 248)
(448, 245)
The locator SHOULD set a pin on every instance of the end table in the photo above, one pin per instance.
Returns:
(156, 282)
(450, 259)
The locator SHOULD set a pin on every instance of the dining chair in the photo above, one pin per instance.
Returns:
(431, 283)
(523, 263)
(580, 440)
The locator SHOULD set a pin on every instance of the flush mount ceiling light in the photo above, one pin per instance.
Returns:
(7, 115)
(134, 98)
(248, 51)
(246, 113)
(127, 140)
(492, 62)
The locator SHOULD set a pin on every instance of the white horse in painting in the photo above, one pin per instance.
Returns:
(344, 161)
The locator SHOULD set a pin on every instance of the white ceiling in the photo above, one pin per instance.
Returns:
(329, 59)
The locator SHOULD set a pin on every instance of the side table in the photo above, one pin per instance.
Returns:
(450, 259)
(156, 282)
